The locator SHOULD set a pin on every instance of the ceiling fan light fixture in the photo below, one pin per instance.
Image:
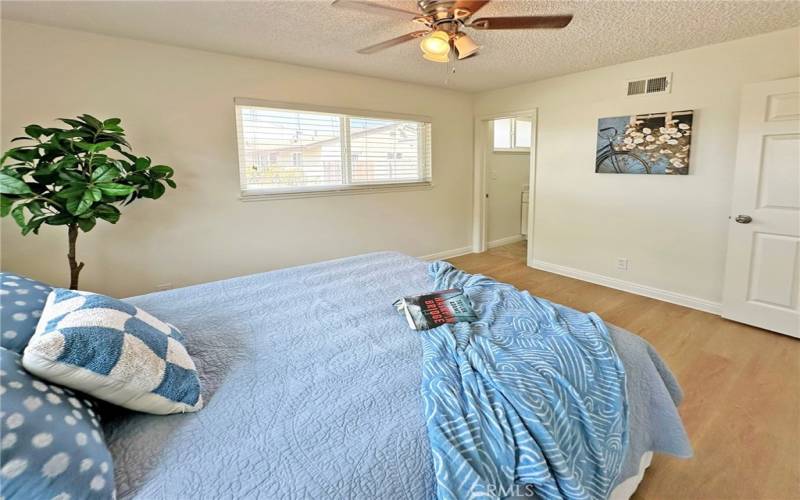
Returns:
(436, 58)
(436, 46)
(465, 46)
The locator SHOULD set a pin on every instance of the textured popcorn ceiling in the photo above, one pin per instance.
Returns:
(313, 33)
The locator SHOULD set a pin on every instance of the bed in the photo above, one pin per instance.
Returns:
(312, 383)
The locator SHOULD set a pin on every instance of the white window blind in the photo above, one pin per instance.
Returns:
(298, 151)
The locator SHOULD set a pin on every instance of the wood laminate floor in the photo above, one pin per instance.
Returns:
(742, 385)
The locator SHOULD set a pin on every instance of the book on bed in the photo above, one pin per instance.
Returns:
(432, 309)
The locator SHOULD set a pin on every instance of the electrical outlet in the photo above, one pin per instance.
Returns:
(622, 263)
(163, 286)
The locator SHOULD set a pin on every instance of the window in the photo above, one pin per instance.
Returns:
(512, 135)
(306, 150)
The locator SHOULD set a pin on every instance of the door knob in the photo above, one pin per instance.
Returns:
(743, 219)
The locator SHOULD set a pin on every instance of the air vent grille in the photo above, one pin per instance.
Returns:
(650, 85)
(637, 87)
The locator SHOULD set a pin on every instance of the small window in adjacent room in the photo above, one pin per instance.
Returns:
(512, 135)
(309, 151)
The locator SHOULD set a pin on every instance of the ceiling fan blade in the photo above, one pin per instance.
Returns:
(394, 41)
(521, 22)
(472, 6)
(377, 8)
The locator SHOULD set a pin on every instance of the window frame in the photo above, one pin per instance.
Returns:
(514, 149)
(345, 189)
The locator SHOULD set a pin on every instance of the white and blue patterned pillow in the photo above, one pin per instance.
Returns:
(21, 303)
(115, 352)
(52, 444)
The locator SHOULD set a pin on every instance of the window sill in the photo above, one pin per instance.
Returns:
(524, 151)
(265, 195)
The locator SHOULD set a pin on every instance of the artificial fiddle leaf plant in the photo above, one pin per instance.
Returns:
(73, 177)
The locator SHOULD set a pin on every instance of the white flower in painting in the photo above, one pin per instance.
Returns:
(628, 140)
(639, 140)
(663, 138)
(651, 146)
(683, 126)
(672, 130)
(647, 130)
(650, 138)
(672, 142)
(677, 135)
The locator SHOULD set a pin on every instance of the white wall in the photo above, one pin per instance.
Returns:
(506, 175)
(177, 106)
(672, 228)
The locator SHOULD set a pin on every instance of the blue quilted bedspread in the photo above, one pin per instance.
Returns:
(528, 400)
(312, 383)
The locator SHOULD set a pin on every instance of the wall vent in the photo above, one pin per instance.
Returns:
(660, 84)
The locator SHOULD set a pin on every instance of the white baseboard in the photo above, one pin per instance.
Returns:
(628, 286)
(447, 254)
(505, 241)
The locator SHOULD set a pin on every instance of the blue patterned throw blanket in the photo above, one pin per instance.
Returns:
(527, 401)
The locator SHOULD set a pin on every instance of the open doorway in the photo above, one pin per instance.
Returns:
(504, 175)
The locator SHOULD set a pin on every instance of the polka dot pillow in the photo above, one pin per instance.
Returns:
(113, 351)
(21, 303)
(52, 445)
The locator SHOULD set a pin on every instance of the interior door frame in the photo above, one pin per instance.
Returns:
(482, 143)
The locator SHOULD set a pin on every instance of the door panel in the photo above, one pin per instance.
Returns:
(762, 270)
(780, 172)
(774, 285)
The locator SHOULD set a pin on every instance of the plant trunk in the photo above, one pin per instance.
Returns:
(74, 267)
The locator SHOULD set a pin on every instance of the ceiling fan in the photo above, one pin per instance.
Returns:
(443, 21)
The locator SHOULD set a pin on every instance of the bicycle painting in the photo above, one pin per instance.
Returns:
(656, 143)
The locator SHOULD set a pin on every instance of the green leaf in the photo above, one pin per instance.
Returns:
(93, 148)
(66, 162)
(107, 212)
(21, 138)
(92, 121)
(35, 131)
(12, 185)
(5, 205)
(33, 225)
(102, 145)
(111, 122)
(59, 219)
(105, 173)
(26, 154)
(162, 171)
(19, 216)
(77, 206)
(72, 122)
(72, 191)
(154, 191)
(171, 183)
(35, 207)
(87, 224)
(96, 193)
(115, 189)
(141, 163)
(71, 176)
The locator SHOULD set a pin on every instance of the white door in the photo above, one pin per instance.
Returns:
(762, 272)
